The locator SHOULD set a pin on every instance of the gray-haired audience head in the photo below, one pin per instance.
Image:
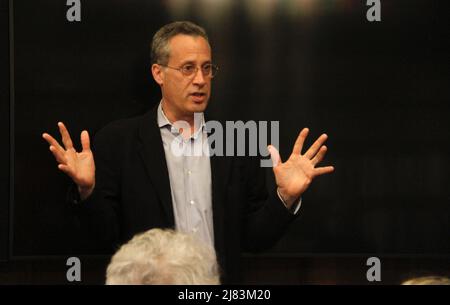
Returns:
(163, 257)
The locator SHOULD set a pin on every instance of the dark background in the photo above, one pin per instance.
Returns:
(4, 129)
(379, 90)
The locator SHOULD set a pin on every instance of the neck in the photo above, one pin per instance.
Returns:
(173, 116)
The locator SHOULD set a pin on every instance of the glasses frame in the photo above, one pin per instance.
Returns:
(214, 70)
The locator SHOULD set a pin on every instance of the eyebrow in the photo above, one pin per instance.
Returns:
(193, 63)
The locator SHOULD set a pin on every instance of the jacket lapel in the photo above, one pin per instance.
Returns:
(153, 156)
(220, 167)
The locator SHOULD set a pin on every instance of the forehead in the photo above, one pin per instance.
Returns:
(189, 48)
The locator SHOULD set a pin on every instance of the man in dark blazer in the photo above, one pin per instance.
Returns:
(137, 183)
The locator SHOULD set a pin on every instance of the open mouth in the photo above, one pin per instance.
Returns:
(198, 96)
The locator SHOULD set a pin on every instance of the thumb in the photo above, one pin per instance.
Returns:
(274, 155)
(85, 141)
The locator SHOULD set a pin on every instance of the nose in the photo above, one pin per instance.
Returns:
(199, 78)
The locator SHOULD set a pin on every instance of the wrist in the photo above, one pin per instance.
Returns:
(287, 199)
(85, 191)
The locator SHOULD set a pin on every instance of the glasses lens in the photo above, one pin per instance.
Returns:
(208, 70)
(188, 70)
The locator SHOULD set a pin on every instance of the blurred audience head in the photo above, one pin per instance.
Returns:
(163, 257)
(428, 280)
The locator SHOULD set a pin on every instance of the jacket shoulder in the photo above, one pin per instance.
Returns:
(119, 132)
(119, 127)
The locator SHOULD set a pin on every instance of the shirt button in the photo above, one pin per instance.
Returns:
(194, 230)
(192, 202)
(189, 172)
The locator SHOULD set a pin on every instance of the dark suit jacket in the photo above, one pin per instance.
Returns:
(132, 194)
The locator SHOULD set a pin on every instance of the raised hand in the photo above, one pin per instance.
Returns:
(295, 175)
(79, 166)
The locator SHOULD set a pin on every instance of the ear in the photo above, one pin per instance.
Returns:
(158, 74)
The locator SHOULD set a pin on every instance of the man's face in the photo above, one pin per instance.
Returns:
(185, 95)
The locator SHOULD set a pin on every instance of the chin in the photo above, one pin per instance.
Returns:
(198, 107)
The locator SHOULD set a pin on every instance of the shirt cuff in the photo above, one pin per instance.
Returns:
(295, 207)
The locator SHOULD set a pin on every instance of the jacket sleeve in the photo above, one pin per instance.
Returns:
(266, 217)
(98, 214)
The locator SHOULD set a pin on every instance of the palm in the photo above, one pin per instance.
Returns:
(79, 166)
(294, 176)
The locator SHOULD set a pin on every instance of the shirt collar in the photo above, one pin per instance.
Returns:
(163, 121)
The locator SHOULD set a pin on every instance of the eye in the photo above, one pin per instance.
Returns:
(207, 68)
(188, 69)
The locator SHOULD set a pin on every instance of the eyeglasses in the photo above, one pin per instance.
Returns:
(188, 70)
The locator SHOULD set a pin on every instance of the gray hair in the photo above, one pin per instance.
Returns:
(160, 51)
(163, 257)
